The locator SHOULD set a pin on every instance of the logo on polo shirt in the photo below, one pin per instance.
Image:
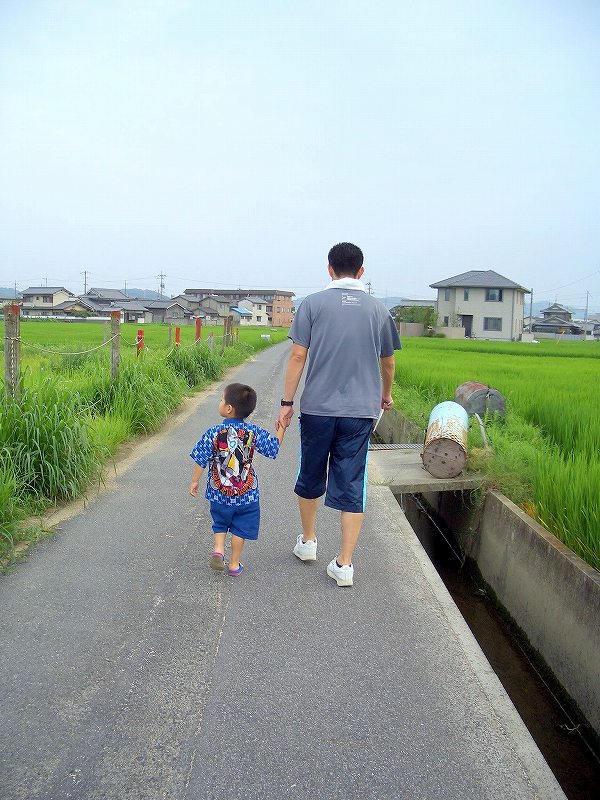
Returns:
(350, 299)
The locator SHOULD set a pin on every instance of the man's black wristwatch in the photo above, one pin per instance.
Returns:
(287, 402)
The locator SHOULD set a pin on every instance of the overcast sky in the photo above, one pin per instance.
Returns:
(232, 143)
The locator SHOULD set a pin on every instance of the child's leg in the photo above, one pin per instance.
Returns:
(237, 545)
(219, 543)
(217, 560)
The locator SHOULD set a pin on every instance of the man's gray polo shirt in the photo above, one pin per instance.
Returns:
(346, 331)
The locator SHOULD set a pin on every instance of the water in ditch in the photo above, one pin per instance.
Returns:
(570, 751)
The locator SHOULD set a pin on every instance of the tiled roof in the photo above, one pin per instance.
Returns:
(217, 298)
(478, 278)
(76, 301)
(106, 294)
(45, 290)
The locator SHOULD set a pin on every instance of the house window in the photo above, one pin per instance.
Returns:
(492, 323)
(446, 320)
(446, 294)
(493, 295)
(465, 294)
(259, 319)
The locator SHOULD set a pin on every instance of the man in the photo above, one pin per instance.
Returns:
(349, 340)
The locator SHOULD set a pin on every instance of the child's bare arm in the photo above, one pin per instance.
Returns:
(196, 474)
(280, 432)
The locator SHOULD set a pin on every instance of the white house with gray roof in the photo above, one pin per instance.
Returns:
(483, 302)
(257, 306)
(41, 301)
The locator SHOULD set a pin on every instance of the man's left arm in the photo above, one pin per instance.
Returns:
(388, 369)
(294, 371)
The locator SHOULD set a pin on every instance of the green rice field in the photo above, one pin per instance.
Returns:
(546, 449)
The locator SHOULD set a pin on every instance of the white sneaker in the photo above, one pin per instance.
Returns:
(305, 551)
(343, 576)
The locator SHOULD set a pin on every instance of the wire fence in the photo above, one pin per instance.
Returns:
(14, 344)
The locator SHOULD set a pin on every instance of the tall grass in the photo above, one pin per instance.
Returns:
(9, 510)
(46, 442)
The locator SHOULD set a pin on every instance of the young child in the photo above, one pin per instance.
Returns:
(232, 486)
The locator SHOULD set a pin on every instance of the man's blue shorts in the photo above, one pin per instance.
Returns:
(243, 521)
(333, 460)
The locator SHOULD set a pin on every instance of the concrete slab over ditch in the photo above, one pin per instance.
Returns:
(403, 472)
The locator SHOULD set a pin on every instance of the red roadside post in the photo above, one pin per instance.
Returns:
(177, 337)
(198, 329)
(140, 341)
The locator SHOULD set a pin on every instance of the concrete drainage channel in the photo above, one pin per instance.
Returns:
(564, 738)
(530, 602)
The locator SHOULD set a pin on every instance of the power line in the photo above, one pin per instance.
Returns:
(541, 291)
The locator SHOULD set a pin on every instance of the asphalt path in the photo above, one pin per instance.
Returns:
(129, 669)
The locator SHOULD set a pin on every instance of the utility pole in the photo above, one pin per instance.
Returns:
(84, 273)
(369, 287)
(162, 284)
(125, 291)
(587, 303)
(531, 311)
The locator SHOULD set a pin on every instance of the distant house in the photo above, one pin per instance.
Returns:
(556, 319)
(76, 307)
(131, 310)
(41, 301)
(104, 298)
(241, 316)
(191, 303)
(257, 306)
(215, 307)
(279, 305)
(483, 302)
(169, 311)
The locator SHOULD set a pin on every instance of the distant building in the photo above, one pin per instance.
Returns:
(483, 302)
(169, 311)
(279, 305)
(556, 319)
(215, 307)
(42, 301)
(103, 298)
(257, 308)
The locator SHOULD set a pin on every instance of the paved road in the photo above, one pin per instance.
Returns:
(131, 670)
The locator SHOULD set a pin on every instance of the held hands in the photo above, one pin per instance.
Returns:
(285, 417)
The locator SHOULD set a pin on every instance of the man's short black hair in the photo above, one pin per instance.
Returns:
(345, 259)
(241, 397)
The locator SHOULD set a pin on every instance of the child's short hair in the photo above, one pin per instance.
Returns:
(241, 397)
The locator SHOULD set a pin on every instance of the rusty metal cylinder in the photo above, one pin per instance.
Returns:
(445, 449)
(479, 398)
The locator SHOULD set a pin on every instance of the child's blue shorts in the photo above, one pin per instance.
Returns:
(243, 521)
(333, 460)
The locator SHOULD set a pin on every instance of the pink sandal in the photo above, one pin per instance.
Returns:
(235, 572)
(217, 561)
